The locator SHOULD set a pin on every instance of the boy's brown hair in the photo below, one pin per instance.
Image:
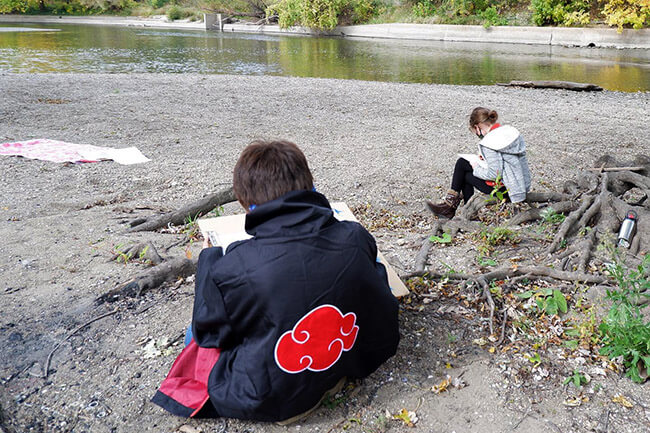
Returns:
(267, 170)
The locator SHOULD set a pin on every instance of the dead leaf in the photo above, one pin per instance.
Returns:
(576, 401)
(442, 386)
(620, 399)
(408, 417)
(186, 428)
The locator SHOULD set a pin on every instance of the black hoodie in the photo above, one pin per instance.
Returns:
(292, 310)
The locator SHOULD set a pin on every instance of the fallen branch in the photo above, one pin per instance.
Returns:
(193, 210)
(616, 169)
(46, 369)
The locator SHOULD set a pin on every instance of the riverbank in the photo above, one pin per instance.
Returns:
(382, 147)
(553, 36)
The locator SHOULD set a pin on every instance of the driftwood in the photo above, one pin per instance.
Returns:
(565, 85)
(192, 211)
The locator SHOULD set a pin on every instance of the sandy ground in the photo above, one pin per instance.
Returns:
(383, 145)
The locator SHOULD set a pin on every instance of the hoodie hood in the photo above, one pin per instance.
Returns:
(505, 139)
(295, 213)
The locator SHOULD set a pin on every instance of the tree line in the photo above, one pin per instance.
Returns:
(327, 14)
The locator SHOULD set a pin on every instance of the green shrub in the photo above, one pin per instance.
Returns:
(620, 13)
(157, 4)
(625, 333)
(11, 6)
(175, 13)
(322, 14)
(491, 17)
(560, 12)
(424, 8)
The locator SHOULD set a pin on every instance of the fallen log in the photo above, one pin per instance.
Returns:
(565, 85)
(192, 211)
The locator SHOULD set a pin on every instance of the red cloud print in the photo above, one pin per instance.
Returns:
(317, 340)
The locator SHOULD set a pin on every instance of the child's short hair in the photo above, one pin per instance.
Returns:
(267, 170)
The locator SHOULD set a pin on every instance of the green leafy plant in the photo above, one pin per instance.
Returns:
(491, 17)
(549, 301)
(623, 13)
(191, 227)
(497, 236)
(484, 261)
(321, 14)
(577, 379)
(444, 239)
(121, 256)
(424, 8)
(560, 12)
(550, 216)
(535, 359)
(625, 333)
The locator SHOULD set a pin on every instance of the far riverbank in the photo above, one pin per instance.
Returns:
(553, 36)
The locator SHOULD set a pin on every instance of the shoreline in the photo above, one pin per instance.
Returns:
(527, 35)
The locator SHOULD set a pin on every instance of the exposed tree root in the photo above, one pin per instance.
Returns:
(594, 205)
(193, 210)
(168, 270)
(143, 251)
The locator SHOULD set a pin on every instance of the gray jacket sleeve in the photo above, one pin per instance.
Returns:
(494, 161)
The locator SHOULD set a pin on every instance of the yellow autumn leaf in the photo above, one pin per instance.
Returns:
(620, 399)
(406, 417)
(442, 386)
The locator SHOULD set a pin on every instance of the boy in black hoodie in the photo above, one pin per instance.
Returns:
(283, 317)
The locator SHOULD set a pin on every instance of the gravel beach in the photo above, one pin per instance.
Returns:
(385, 146)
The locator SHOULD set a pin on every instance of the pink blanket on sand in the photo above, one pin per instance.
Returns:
(60, 151)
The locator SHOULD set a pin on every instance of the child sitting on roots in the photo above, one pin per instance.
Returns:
(501, 155)
(287, 315)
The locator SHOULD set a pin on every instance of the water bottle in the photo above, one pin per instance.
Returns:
(628, 228)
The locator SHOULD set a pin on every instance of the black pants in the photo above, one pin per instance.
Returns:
(464, 180)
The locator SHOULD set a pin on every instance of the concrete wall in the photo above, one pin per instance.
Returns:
(517, 35)
(108, 21)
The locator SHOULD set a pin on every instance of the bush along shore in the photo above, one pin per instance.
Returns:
(327, 14)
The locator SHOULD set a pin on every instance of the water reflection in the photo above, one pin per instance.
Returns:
(78, 48)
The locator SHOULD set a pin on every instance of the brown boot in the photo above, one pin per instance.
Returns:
(446, 209)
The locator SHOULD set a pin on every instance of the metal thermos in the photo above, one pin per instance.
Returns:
(628, 228)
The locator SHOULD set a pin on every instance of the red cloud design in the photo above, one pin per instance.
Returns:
(317, 340)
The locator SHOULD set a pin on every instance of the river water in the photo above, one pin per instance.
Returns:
(97, 49)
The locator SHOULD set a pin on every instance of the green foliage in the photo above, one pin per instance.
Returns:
(484, 261)
(322, 14)
(548, 301)
(174, 13)
(424, 8)
(625, 333)
(622, 13)
(491, 17)
(560, 12)
(497, 236)
(551, 217)
(13, 6)
(577, 379)
(120, 255)
(445, 239)
(497, 194)
(157, 4)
